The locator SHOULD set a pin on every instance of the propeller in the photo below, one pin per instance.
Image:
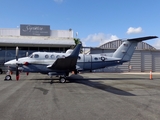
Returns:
(26, 63)
(17, 71)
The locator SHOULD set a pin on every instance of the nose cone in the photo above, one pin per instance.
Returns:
(7, 63)
(10, 63)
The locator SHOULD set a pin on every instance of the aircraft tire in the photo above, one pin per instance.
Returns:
(62, 80)
(7, 78)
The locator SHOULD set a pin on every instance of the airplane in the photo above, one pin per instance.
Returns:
(61, 64)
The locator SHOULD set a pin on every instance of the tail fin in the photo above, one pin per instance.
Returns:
(127, 48)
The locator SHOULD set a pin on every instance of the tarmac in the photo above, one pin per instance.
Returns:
(86, 96)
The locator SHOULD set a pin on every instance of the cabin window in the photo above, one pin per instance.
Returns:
(95, 58)
(63, 56)
(52, 56)
(125, 44)
(57, 56)
(46, 56)
(36, 56)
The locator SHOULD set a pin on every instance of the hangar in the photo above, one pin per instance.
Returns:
(145, 58)
(30, 38)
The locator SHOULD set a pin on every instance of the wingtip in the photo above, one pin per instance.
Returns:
(143, 38)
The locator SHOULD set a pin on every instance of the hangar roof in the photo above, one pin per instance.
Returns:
(116, 43)
(36, 41)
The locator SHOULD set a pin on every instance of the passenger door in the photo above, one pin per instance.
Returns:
(87, 62)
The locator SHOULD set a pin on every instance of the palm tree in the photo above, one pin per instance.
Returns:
(77, 41)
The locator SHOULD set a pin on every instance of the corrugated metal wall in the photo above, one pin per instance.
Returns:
(135, 63)
(156, 61)
(146, 61)
(141, 61)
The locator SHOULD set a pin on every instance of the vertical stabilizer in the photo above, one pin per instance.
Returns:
(127, 48)
(125, 51)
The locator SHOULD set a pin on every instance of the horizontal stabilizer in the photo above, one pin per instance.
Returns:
(142, 38)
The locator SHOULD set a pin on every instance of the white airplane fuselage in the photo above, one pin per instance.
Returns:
(38, 62)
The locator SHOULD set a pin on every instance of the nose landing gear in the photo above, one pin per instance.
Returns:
(7, 78)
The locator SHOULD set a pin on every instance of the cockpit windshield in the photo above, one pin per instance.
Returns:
(34, 56)
(30, 56)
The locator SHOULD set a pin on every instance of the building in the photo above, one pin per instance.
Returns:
(144, 59)
(30, 38)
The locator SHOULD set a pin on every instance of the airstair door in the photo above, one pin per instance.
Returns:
(87, 62)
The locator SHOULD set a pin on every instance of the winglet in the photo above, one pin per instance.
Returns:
(142, 38)
(76, 51)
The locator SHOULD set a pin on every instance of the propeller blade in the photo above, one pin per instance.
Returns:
(17, 71)
(26, 54)
(17, 74)
(17, 53)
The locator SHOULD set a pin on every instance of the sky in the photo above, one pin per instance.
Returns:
(95, 21)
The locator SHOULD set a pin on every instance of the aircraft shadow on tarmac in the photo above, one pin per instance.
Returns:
(87, 81)
(80, 80)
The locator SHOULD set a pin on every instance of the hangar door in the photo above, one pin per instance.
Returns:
(146, 61)
(156, 62)
(135, 63)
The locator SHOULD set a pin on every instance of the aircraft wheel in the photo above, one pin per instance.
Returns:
(8, 77)
(62, 79)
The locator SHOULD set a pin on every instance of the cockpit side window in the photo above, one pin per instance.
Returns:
(36, 56)
(57, 56)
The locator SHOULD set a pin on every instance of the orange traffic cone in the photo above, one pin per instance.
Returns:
(150, 76)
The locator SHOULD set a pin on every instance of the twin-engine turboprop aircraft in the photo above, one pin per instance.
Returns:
(63, 63)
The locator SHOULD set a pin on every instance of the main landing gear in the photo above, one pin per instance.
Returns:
(62, 79)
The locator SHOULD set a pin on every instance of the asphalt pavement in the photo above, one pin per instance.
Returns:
(87, 96)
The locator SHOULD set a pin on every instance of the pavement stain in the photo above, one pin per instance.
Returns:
(45, 91)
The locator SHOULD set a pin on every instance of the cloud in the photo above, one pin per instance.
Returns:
(98, 39)
(58, 1)
(132, 30)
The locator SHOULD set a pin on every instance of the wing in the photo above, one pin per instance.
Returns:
(67, 63)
